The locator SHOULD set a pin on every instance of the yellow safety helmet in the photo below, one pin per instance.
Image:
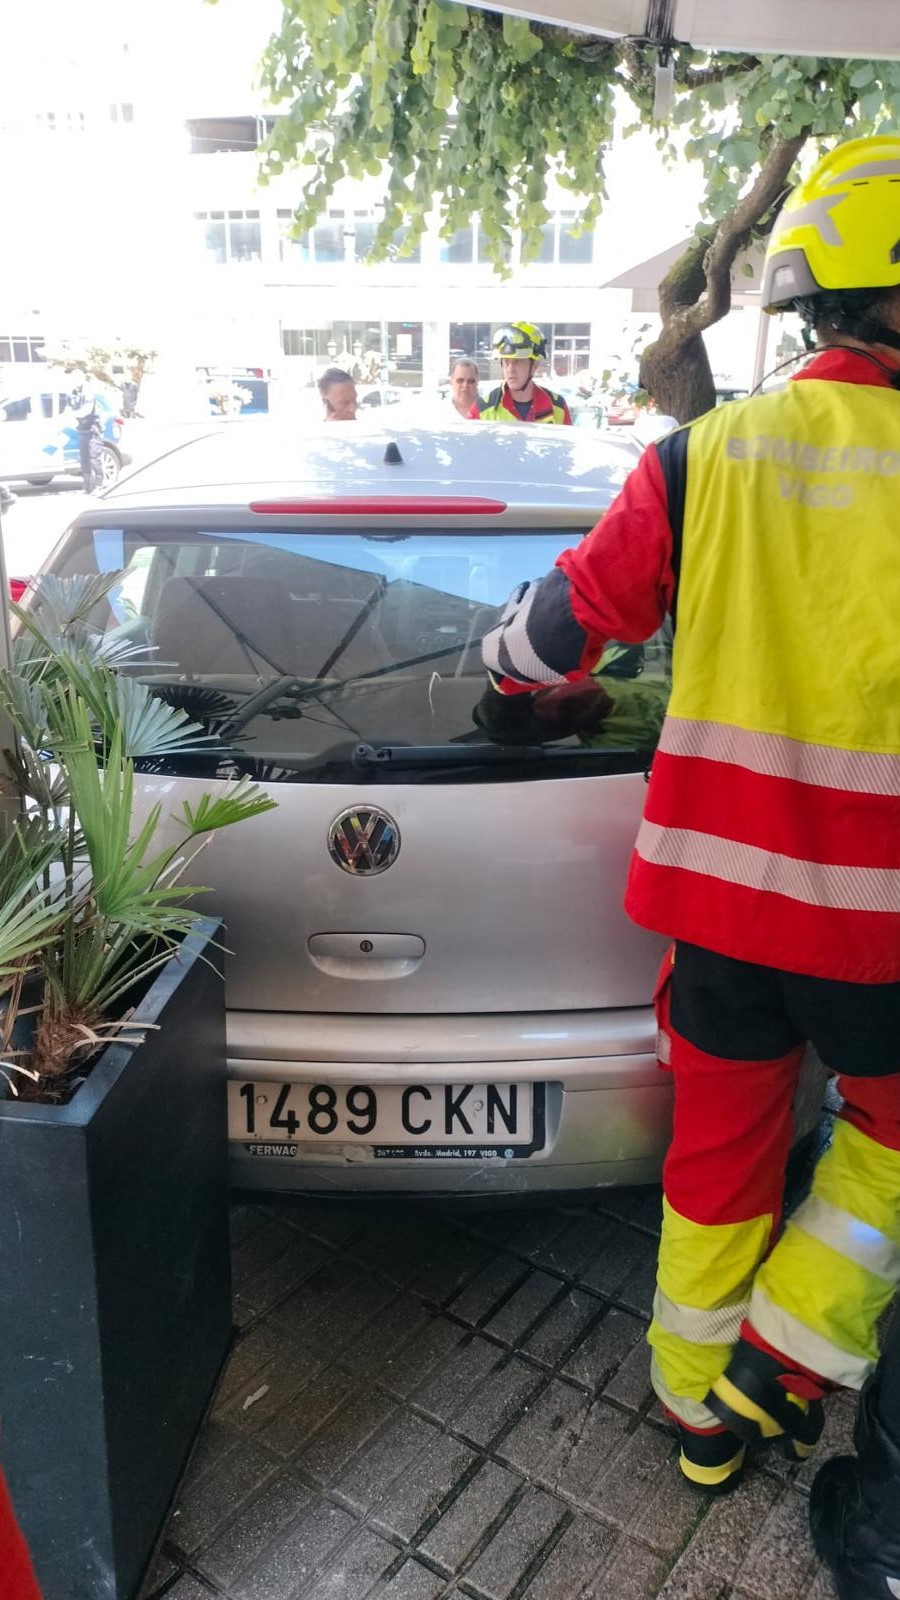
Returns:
(840, 229)
(519, 339)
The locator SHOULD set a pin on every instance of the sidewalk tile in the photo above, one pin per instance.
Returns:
(330, 1308)
(359, 1566)
(602, 1439)
(261, 1288)
(565, 1324)
(427, 1483)
(632, 1572)
(281, 1570)
(299, 1418)
(261, 1248)
(630, 1383)
(446, 1391)
(205, 1504)
(781, 1559)
(692, 1579)
(729, 1528)
(383, 1459)
(466, 1521)
(569, 1251)
(515, 1545)
(603, 1350)
(444, 1277)
(259, 1524)
(412, 1582)
(476, 1301)
(543, 1439)
(503, 1396)
(517, 1315)
(582, 1551)
(345, 1432)
(641, 1207)
(621, 1253)
(421, 1355)
(400, 1321)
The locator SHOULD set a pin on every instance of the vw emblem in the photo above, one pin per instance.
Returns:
(364, 840)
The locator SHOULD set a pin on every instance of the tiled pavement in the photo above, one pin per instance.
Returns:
(432, 1403)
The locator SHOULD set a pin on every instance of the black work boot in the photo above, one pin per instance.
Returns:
(854, 1510)
(711, 1460)
(755, 1399)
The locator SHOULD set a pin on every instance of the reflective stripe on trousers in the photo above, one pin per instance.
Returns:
(819, 1295)
(837, 1265)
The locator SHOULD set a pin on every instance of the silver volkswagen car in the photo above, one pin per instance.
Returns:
(431, 985)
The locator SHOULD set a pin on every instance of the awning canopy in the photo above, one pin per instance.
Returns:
(865, 28)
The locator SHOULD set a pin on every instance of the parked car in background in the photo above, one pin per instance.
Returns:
(431, 984)
(39, 439)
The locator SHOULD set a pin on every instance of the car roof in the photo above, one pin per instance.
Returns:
(259, 460)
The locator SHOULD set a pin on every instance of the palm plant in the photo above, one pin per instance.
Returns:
(90, 907)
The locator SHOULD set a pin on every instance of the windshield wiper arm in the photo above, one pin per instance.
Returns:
(451, 755)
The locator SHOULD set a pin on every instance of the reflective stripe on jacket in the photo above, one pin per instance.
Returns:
(771, 828)
(499, 407)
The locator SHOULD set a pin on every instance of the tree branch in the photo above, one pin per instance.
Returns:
(733, 233)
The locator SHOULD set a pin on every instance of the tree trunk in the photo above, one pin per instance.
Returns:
(696, 292)
(679, 378)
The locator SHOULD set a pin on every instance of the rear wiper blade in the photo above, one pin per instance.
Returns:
(464, 755)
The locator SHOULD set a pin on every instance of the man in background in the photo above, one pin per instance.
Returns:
(338, 393)
(464, 386)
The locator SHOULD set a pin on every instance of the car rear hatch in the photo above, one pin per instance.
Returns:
(411, 867)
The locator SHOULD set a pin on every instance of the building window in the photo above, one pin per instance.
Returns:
(230, 236)
(67, 121)
(328, 237)
(224, 135)
(123, 112)
(570, 348)
(291, 250)
(472, 339)
(468, 245)
(376, 352)
(19, 347)
(460, 247)
(573, 251)
(559, 245)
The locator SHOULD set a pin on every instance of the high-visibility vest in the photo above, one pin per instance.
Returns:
(771, 828)
(545, 407)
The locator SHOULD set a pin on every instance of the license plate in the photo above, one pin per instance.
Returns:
(396, 1120)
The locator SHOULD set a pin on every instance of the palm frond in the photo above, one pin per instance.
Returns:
(245, 800)
(148, 726)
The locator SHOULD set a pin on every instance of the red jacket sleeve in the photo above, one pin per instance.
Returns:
(618, 583)
(621, 576)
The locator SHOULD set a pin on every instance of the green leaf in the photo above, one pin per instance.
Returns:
(518, 36)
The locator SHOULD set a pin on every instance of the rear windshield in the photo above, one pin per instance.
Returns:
(302, 650)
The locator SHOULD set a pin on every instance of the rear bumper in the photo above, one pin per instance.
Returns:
(608, 1105)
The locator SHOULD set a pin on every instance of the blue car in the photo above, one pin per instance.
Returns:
(39, 439)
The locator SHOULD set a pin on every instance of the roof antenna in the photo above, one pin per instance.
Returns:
(392, 456)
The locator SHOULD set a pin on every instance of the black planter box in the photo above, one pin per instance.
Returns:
(115, 1289)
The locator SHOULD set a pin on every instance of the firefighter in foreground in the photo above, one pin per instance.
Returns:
(770, 844)
(518, 348)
